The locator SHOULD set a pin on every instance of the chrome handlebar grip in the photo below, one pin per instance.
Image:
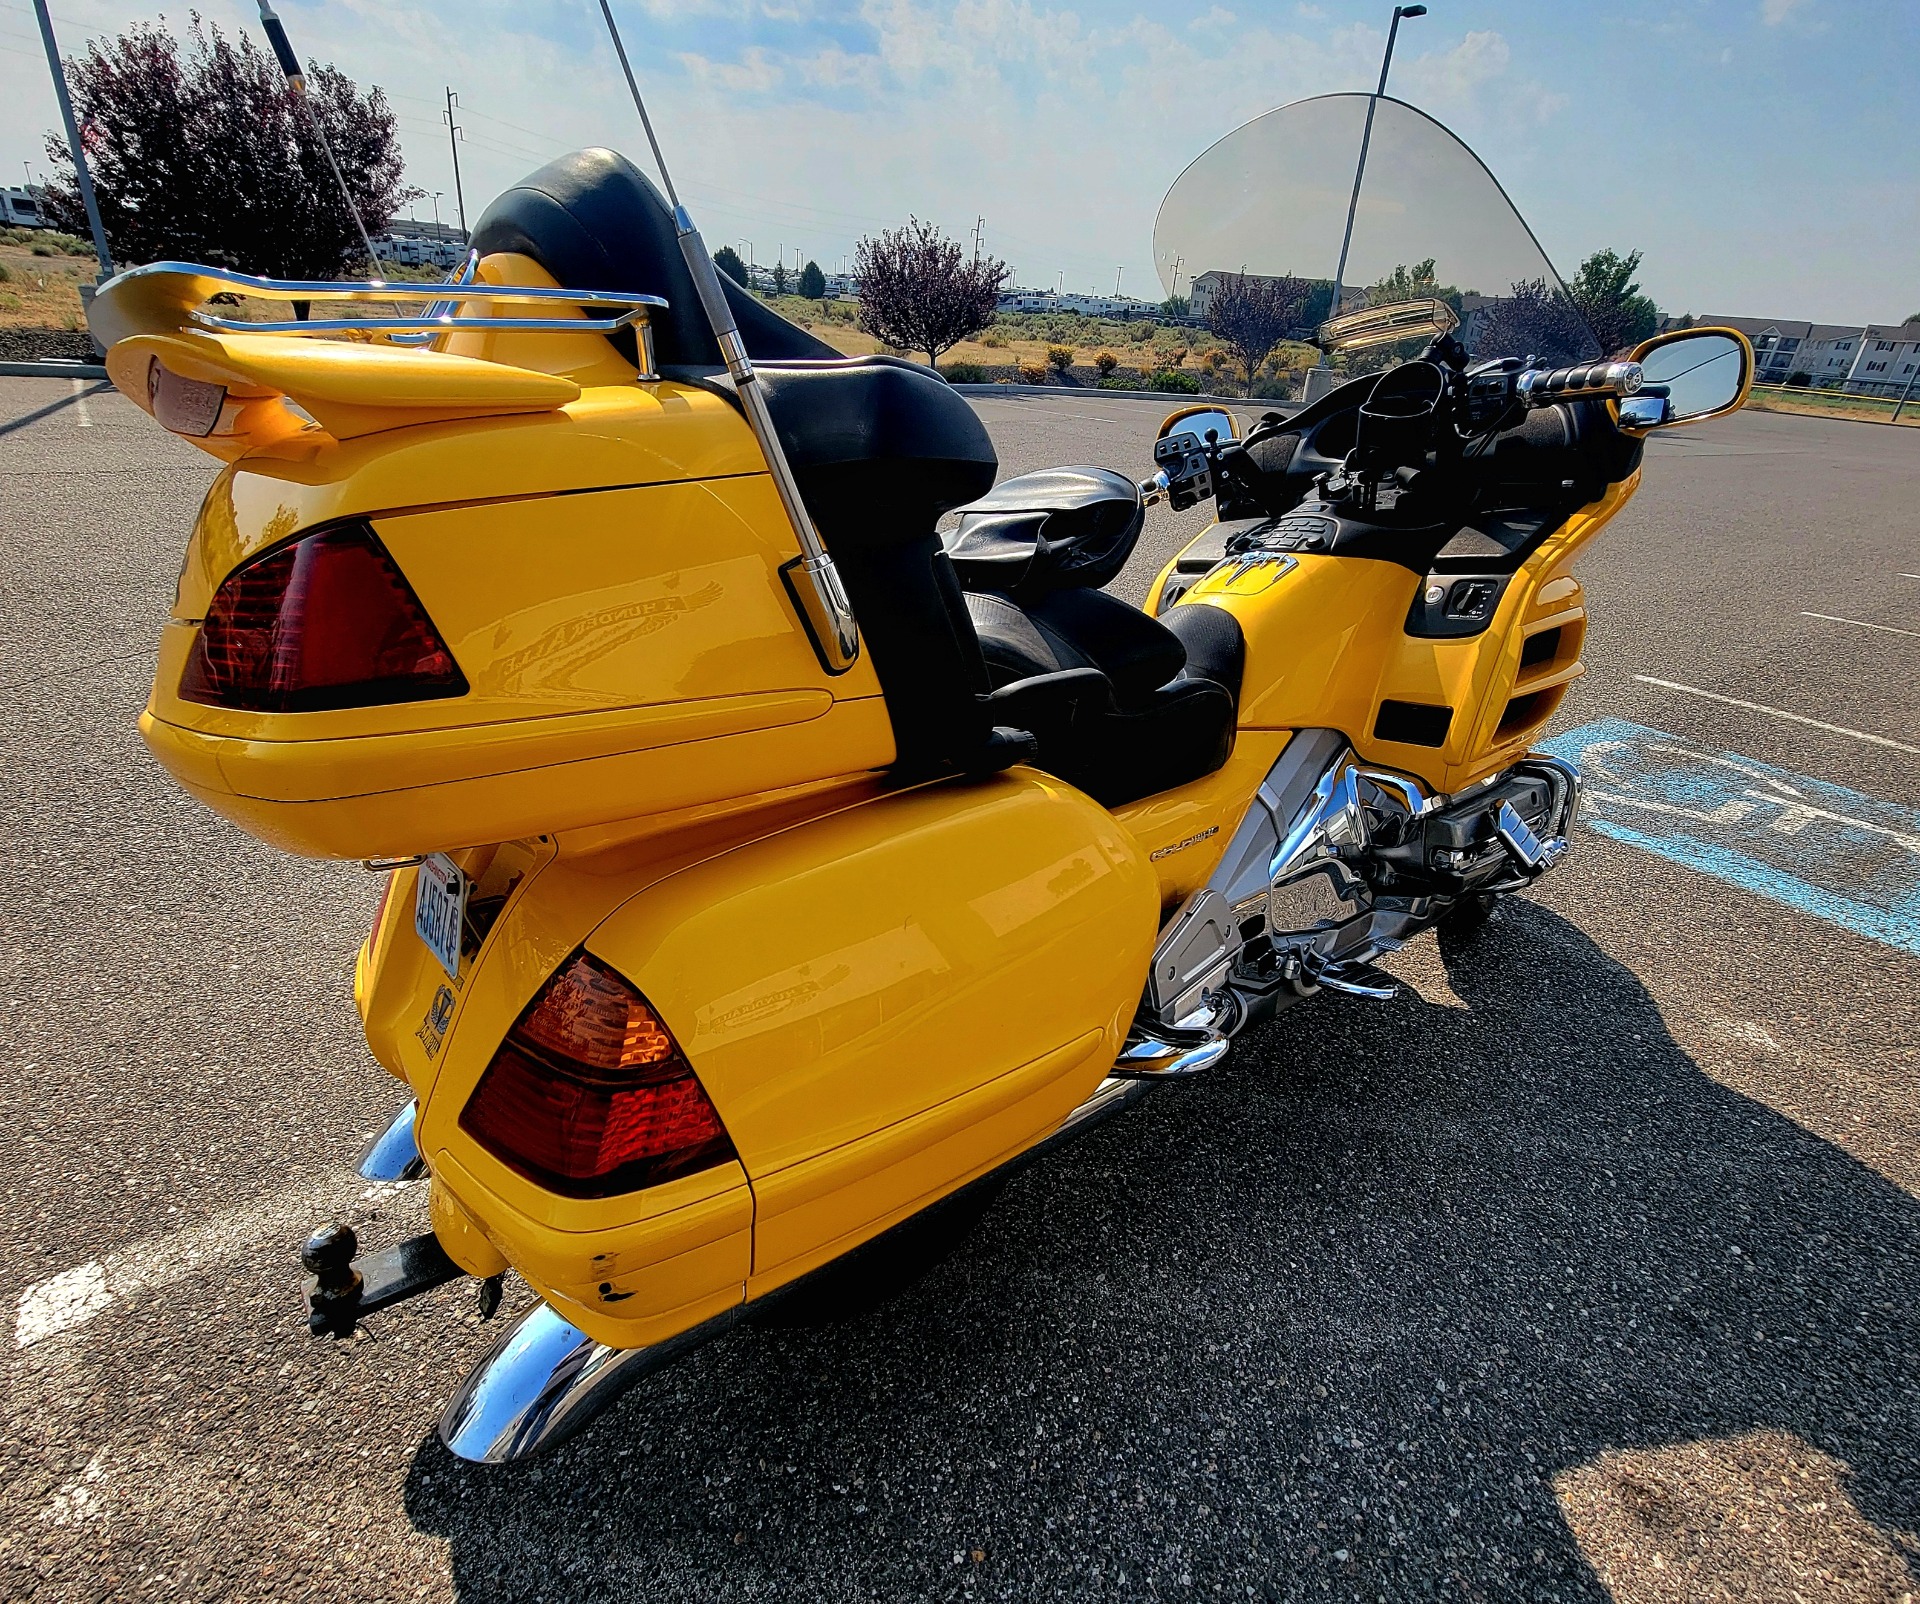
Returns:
(1539, 387)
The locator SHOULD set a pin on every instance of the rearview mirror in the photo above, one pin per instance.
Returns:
(1197, 421)
(1691, 375)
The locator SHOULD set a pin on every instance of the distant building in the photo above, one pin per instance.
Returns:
(407, 243)
(1116, 306)
(20, 208)
(1875, 359)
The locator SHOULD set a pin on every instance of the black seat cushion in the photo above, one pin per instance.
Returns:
(1164, 724)
(595, 222)
(1040, 532)
(1077, 629)
(1211, 638)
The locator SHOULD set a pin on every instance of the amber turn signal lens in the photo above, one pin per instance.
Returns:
(590, 1096)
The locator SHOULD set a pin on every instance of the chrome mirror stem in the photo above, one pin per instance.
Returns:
(812, 580)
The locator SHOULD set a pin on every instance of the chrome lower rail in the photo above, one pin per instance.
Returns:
(545, 1378)
(394, 1155)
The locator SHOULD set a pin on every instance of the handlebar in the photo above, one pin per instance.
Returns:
(1539, 387)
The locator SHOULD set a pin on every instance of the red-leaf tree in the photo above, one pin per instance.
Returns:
(1254, 313)
(212, 158)
(919, 290)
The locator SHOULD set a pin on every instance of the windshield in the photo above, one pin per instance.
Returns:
(1261, 214)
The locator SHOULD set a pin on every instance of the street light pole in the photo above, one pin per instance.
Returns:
(1360, 170)
(80, 173)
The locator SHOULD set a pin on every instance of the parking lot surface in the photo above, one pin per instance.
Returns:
(1587, 1269)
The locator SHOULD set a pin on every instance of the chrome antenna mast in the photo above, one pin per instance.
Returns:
(816, 589)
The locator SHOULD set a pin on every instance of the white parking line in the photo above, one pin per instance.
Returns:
(1861, 623)
(1778, 712)
(81, 415)
(70, 1299)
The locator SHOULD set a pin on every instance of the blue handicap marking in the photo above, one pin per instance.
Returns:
(1839, 855)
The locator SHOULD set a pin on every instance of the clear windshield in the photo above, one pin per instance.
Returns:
(1269, 202)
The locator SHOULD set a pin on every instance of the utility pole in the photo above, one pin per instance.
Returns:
(1907, 393)
(436, 206)
(979, 227)
(453, 141)
(80, 172)
(1116, 281)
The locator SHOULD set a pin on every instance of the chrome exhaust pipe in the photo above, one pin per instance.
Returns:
(394, 1155)
(545, 1379)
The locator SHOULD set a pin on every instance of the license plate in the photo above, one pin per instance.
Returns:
(440, 909)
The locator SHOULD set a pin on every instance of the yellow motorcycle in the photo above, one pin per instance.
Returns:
(770, 866)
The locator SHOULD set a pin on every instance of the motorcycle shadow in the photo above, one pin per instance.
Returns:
(1404, 1300)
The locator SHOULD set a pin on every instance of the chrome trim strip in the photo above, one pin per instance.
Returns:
(545, 1379)
(394, 1155)
(1149, 1058)
(376, 325)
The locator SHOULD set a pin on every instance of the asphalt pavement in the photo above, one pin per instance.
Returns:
(1587, 1269)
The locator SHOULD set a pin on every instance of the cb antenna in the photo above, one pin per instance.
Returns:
(811, 578)
(297, 79)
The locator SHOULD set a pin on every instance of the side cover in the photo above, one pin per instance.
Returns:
(883, 1003)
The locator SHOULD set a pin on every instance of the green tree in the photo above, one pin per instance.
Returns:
(813, 283)
(1611, 302)
(211, 157)
(727, 259)
(779, 278)
(1176, 306)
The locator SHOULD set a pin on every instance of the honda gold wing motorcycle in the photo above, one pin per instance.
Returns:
(785, 835)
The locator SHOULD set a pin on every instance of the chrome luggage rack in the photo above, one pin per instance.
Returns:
(437, 316)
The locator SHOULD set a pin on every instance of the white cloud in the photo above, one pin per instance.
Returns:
(1775, 12)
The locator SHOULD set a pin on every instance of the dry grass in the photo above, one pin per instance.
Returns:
(1764, 1518)
(42, 292)
(1819, 404)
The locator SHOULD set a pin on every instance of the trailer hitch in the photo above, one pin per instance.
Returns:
(344, 1289)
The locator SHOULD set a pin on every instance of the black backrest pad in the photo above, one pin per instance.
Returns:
(594, 222)
(881, 447)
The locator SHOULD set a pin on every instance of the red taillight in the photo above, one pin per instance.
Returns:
(324, 621)
(589, 1094)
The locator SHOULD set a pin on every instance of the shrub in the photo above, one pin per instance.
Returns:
(964, 373)
(1173, 383)
(1032, 373)
(994, 341)
(1106, 362)
(1177, 357)
(1059, 357)
(1142, 333)
(6, 274)
(1282, 386)
(1118, 384)
(1800, 381)
(46, 247)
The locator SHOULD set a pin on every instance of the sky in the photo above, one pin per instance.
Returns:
(1762, 154)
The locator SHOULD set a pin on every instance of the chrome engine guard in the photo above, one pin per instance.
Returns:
(1294, 904)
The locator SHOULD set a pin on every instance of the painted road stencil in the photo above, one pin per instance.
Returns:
(1837, 854)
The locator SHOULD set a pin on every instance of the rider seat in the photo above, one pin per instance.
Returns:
(881, 449)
